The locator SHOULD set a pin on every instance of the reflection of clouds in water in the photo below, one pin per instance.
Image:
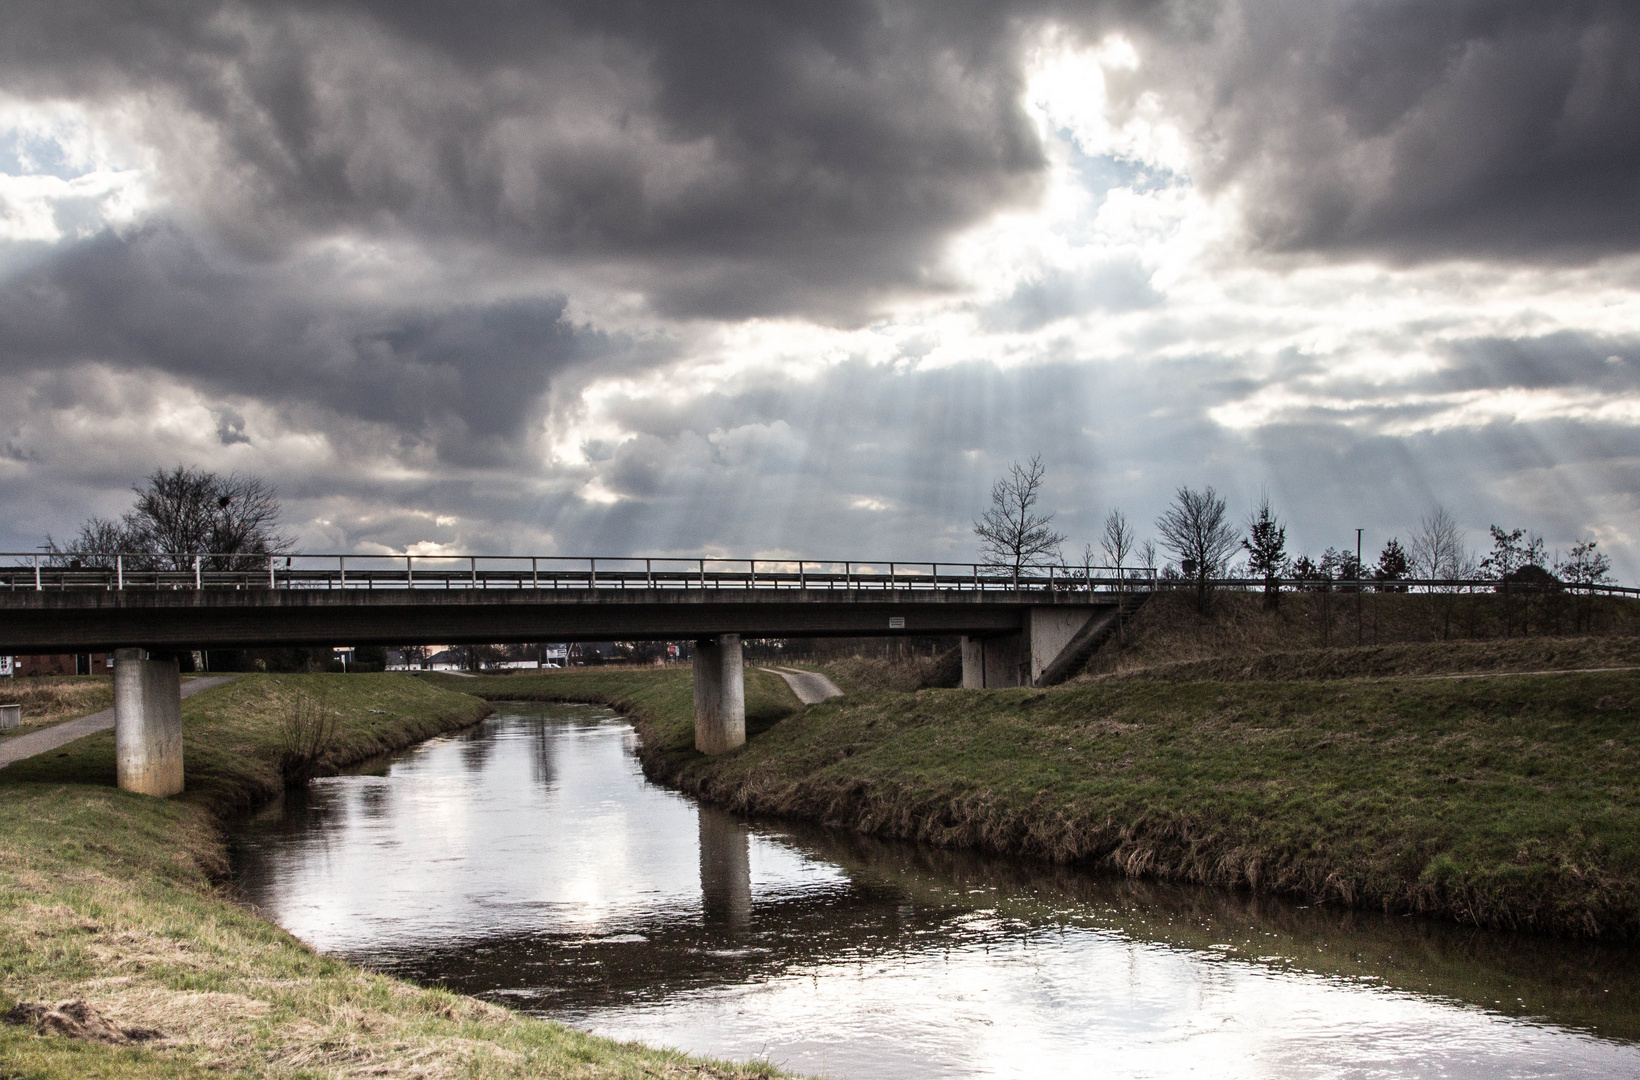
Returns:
(546, 873)
(1083, 1003)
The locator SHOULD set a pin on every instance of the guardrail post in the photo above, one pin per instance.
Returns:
(409, 573)
(535, 573)
(271, 584)
(802, 579)
(751, 577)
(592, 574)
(197, 585)
(119, 572)
(341, 571)
(38, 587)
(703, 575)
(848, 577)
(892, 585)
(473, 567)
(649, 573)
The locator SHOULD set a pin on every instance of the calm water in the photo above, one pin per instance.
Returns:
(528, 862)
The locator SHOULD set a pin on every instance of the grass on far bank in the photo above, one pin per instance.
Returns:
(1509, 802)
(109, 898)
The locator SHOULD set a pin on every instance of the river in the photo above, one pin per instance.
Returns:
(527, 861)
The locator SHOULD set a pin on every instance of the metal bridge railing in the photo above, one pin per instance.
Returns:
(137, 570)
(146, 571)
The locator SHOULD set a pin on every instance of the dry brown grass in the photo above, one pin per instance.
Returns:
(861, 674)
(1433, 633)
(51, 699)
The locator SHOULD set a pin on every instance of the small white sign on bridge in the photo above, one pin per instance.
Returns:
(896, 622)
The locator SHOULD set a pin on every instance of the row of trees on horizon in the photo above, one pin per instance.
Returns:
(1197, 540)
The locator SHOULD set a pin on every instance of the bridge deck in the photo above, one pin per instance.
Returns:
(98, 620)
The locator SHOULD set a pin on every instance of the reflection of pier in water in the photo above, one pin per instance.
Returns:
(725, 870)
(870, 903)
(904, 898)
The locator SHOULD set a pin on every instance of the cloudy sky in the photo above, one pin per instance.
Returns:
(778, 277)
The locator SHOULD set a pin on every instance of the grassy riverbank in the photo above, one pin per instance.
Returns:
(1510, 801)
(109, 899)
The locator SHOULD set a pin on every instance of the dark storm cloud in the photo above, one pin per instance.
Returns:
(466, 378)
(754, 157)
(1421, 128)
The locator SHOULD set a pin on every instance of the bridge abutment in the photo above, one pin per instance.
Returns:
(147, 723)
(1052, 641)
(720, 694)
(992, 663)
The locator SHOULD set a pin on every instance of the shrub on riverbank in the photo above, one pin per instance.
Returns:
(1509, 802)
(107, 904)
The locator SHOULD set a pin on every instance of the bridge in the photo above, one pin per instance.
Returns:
(1031, 627)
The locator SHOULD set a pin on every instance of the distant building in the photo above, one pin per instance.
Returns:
(63, 664)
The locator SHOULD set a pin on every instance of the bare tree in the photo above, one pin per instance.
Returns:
(1147, 555)
(1438, 552)
(1116, 541)
(183, 512)
(1195, 529)
(1438, 549)
(1011, 533)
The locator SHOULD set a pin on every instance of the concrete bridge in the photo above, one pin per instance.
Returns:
(1027, 628)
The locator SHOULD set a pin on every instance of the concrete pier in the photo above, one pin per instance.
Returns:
(720, 694)
(147, 724)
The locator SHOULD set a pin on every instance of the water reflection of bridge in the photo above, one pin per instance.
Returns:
(905, 899)
(1018, 627)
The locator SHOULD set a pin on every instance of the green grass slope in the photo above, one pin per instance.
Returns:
(1509, 802)
(110, 899)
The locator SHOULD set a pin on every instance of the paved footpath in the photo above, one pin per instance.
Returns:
(809, 686)
(39, 742)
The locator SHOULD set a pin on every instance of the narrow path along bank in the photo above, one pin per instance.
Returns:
(1511, 802)
(811, 687)
(38, 742)
(108, 902)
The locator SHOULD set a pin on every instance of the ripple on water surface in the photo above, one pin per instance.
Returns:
(527, 861)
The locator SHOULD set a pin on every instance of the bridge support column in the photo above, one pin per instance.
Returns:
(147, 724)
(720, 694)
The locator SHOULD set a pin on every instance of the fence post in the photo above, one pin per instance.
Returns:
(892, 584)
(196, 574)
(751, 580)
(472, 572)
(341, 572)
(119, 571)
(535, 572)
(409, 573)
(703, 575)
(848, 578)
(37, 586)
(802, 579)
(592, 574)
(649, 573)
